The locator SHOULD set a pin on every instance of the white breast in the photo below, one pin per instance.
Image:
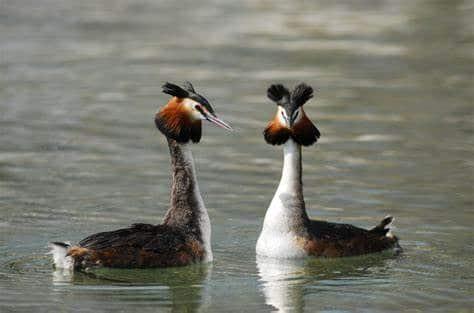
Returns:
(276, 244)
(277, 239)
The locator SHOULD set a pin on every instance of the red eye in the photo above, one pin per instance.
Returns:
(199, 108)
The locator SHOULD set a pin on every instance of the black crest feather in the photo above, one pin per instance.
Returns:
(301, 94)
(277, 93)
(175, 90)
(189, 87)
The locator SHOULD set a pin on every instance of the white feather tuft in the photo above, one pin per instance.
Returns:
(60, 258)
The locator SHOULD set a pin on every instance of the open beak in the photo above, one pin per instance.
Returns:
(214, 119)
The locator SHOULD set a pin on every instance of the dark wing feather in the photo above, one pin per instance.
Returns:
(383, 227)
(166, 242)
(136, 235)
(336, 240)
(335, 231)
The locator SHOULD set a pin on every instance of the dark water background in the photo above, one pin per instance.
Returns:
(80, 82)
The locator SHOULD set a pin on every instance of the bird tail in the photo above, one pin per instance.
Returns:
(383, 228)
(61, 259)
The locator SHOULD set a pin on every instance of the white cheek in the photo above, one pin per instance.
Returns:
(281, 116)
(299, 117)
(190, 105)
(196, 115)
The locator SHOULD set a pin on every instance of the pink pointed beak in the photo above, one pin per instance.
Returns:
(214, 119)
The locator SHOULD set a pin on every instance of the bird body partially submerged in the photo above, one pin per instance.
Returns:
(185, 235)
(138, 246)
(287, 230)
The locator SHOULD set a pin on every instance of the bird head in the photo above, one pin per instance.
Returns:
(180, 119)
(290, 120)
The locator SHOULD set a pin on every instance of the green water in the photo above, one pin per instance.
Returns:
(79, 85)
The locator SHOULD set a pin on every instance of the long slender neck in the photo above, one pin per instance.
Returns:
(287, 209)
(186, 207)
(291, 180)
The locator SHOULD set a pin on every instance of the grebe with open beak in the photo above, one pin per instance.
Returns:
(287, 230)
(184, 237)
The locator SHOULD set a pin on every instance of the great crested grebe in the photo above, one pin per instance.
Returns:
(185, 235)
(287, 230)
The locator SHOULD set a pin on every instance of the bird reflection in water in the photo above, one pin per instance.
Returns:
(285, 282)
(182, 289)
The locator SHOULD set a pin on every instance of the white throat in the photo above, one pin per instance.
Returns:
(277, 238)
